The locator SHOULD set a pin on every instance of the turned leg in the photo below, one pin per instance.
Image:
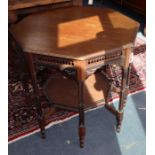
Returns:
(123, 100)
(31, 68)
(124, 87)
(81, 115)
(41, 118)
(81, 76)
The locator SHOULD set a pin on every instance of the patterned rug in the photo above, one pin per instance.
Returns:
(22, 118)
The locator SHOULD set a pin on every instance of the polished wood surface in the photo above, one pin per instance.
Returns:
(96, 89)
(18, 8)
(21, 4)
(75, 32)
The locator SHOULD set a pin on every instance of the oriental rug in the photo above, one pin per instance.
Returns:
(22, 118)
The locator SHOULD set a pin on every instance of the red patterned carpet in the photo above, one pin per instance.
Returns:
(22, 118)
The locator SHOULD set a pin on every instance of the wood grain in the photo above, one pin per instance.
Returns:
(75, 32)
(14, 5)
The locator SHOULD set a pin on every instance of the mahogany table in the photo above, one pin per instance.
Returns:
(84, 39)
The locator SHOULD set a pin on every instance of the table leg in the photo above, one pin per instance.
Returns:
(31, 68)
(81, 114)
(81, 76)
(124, 87)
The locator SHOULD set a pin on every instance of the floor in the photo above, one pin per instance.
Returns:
(101, 137)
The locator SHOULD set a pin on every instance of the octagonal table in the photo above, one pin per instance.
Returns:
(83, 38)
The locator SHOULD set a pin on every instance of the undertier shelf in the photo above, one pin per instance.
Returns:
(63, 92)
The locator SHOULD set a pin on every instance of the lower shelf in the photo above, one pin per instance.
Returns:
(63, 92)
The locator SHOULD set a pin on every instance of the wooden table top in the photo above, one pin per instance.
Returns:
(75, 32)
